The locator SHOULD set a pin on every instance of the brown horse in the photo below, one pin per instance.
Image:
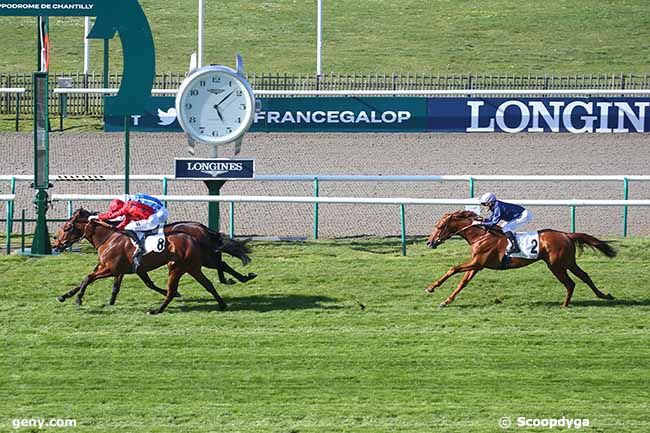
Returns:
(557, 249)
(212, 259)
(182, 254)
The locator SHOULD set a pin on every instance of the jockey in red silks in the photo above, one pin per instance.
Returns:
(130, 211)
(134, 216)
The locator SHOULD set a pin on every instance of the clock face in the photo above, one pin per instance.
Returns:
(215, 105)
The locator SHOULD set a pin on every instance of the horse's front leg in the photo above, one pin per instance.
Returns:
(472, 264)
(102, 272)
(463, 282)
(74, 291)
(117, 284)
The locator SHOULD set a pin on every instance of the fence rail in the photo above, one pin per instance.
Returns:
(401, 202)
(92, 104)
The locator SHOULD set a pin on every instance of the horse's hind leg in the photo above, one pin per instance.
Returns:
(117, 284)
(150, 284)
(578, 272)
(224, 267)
(562, 275)
(203, 280)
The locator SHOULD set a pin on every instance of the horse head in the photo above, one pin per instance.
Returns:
(450, 224)
(72, 230)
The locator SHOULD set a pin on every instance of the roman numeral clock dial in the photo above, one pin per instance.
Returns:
(215, 105)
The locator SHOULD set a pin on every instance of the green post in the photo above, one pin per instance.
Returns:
(316, 192)
(214, 188)
(402, 222)
(626, 195)
(17, 111)
(573, 219)
(127, 154)
(106, 71)
(10, 215)
(41, 243)
(471, 187)
(232, 220)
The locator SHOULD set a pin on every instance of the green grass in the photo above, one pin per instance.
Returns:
(439, 36)
(296, 353)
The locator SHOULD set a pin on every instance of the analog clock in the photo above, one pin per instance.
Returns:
(215, 105)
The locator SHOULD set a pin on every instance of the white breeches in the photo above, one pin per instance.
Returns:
(525, 217)
(150, 223)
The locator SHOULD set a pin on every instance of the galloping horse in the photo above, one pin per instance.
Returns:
(213, 258)
(183, 254)
(557, 249)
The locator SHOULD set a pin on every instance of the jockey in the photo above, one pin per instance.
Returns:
(141, 213)
(513, 215)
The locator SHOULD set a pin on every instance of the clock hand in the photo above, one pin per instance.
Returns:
(216, 107)
(225, 97)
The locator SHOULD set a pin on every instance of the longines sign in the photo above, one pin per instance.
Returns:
(214, 168)
(406, 114)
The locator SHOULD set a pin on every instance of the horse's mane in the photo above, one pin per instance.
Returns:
(461, 214)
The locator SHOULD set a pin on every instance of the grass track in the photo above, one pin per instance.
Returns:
(296, 353)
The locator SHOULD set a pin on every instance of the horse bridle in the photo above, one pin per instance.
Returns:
(440, 241)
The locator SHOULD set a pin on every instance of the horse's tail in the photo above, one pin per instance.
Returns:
(237, 248)
(582, 239)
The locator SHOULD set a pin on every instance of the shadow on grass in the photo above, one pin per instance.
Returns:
(388, 245)
(259, 303)
(596, 303)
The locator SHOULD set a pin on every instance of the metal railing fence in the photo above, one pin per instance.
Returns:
(92, 104)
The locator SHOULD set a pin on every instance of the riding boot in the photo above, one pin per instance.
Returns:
(514, 247)
(137, 256)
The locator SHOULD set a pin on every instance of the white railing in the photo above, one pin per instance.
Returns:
(316, 179)
(9, 198)
(461, 92)
(401, 202)
(18, 91)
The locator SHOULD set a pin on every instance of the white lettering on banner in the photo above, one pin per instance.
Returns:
(574, 116)
(332, 116)
(215, 166)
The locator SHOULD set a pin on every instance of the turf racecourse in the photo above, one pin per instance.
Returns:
(296, 352)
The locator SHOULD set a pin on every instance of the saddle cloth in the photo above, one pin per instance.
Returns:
(528, 244)
(154, 241)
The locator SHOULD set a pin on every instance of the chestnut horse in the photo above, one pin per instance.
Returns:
(182, 254)
(557, 249)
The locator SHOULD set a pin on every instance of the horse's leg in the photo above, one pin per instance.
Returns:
(578, 272)
(97, 275)
(466, 279)
(117, 283)
(175, 275)
(74, 291)
(150, 284)
(561, 274)
(469, 266)
(203, 280)
(224, 267)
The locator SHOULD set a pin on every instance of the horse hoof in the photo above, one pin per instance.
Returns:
(178, 295)
(429, 289)
(251, 275)
(60, 299)
(230, 282)
(153, 312)
(223, 307)
(609, 297)
(442, 305)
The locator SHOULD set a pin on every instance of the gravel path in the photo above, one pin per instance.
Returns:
(387, 154)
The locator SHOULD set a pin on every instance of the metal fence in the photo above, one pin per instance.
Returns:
(92, 104)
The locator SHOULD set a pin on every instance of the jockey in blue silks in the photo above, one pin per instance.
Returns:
(513, 215)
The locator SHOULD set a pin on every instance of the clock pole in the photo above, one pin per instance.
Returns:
(214, 188)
